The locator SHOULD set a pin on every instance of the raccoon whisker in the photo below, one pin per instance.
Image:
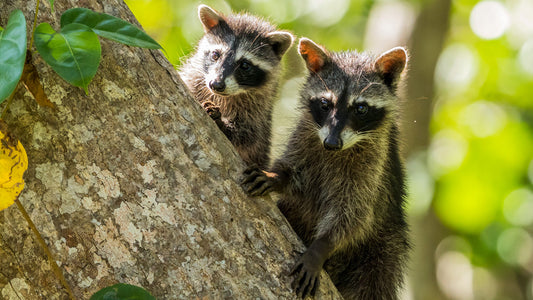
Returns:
(363, 129)
(366, 87)
(324, 83)
(253, 41)
(372, 136)
(362, 75)
(258, 47)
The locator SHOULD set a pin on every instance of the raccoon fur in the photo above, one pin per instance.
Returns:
(234, 74)
(341, 178)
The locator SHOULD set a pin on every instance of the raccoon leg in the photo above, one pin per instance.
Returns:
(374, 274)
(212, 109)
(307, 269)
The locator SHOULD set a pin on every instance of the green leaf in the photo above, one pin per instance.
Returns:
(13, 53)
(109, 27)
(123, 292)
(51, 4)
(74, 52)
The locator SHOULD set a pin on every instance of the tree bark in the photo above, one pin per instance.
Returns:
(134, 183)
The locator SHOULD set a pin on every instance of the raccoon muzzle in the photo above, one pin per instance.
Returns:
(217, 85)
(333, 142)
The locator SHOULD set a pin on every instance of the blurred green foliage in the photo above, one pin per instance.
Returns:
(480, 159)
(484, 124)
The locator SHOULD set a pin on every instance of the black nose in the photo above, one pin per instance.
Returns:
(217, 85)
(332, 143)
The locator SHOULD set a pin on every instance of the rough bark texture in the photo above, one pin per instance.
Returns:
(134, 183)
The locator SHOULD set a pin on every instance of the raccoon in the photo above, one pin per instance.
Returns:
(341, 178)
(234, 74)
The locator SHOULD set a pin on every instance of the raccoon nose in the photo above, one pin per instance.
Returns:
(332, 143)
(217, 85)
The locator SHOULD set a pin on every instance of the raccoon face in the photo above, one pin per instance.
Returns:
(349, 95)
(241, 53)
(344, 120)
(228, 72)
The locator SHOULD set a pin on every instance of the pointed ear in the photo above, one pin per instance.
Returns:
(280, 41)
(391, 64)
(209, 17)
(314, 55)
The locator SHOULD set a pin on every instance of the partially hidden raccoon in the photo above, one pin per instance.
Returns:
(234, 74)
(341, 178)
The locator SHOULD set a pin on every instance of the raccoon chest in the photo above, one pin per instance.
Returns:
(308, 184)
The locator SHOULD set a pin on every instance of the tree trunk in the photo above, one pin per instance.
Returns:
(135, 184)
(427, 42)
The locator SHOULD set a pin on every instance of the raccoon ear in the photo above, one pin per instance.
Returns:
(209, 17)
(314, 55)
(280, 41)
(391, 64)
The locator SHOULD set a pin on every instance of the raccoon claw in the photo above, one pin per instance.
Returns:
(306, 280)
(261, 189)
(297, 252)
(251, 170)
(258, 182)
(258, 187)
(212, 109)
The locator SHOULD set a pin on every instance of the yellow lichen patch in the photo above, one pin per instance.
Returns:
(13, 163)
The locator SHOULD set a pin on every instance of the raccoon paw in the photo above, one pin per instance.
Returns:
(307, 277)
(212, 109)
(258, 182)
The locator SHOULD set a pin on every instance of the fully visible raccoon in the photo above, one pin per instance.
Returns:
(341, 178)
(234, 74)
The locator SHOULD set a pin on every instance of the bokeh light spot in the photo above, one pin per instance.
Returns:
(455, 275)
(280, 11)
(465, 203)
(525, 57)
(521, 27)
(327, 12)
(455, 68)
(447, 151)
(455, 243)
(515, 246)
(518, 207)
(489, 19)
(483, 118)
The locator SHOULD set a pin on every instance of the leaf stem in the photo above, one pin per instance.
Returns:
(34, 23)
(41, 241)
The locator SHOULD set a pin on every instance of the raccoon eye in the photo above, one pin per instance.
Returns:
(324, 104)
(215, 55)
(362, 109)
(245, 66)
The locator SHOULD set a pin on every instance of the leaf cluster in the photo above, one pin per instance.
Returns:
(73, 52)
